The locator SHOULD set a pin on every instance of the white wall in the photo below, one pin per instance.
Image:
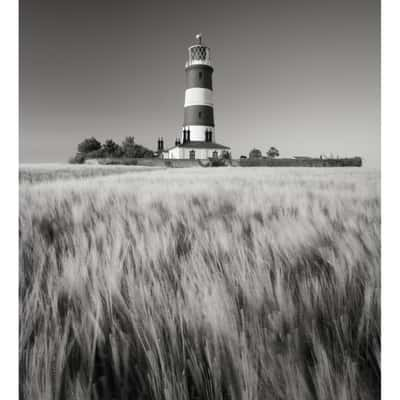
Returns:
(200, 154)
(176, 152)
(198, 133)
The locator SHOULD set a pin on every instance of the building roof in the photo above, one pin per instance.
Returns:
(201, 145)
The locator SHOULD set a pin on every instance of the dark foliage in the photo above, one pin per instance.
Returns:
(273, 152)
(255, 153)
(226, 155)
(119, 161)
(112, 149)
(78, 158)
(100, 153)
(128, 147)
(142, 152)
(218, 162)
(88, 145)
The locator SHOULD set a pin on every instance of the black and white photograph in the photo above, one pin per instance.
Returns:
(199, 200)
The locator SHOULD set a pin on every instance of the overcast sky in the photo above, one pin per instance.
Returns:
(303, 76)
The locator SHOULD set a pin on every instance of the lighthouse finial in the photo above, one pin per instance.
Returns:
(198, 37)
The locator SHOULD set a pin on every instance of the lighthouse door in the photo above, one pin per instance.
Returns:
(192, 155)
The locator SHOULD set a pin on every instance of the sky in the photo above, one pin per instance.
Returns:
(303, 76)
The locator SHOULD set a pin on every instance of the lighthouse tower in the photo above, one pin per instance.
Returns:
(198, 125)
(197, 138)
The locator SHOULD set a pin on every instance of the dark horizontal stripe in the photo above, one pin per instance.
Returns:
(199, 115)
(204, 145)
(200, 66)
(199, 76)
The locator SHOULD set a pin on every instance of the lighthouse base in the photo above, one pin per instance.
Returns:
(195, 151)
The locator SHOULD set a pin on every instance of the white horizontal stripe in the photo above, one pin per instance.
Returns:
(198, 96)
(198, 133)
(193, 62)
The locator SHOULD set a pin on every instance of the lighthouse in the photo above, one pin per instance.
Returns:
(198, 123)
(197, 137)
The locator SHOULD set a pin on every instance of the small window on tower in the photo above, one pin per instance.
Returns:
(200, 114)
(200, 75)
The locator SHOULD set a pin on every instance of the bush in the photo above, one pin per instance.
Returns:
(129, 161)
(100, 153)
(142, 152)
(226, 155)
(89, 145)
(217, 162)
(273, 152)
(78, 158)
(112, 149)
(255, 153)
(128, 146)
(118, 161)
(91, 148)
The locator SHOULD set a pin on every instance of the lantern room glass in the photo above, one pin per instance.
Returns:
(198, 54)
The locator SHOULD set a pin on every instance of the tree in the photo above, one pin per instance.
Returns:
(142, 152)
(128, 146)
(112, 149)
(273, 152)
(255, 153)
(88, 145)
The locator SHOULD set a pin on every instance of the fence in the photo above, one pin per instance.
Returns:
(309, 162)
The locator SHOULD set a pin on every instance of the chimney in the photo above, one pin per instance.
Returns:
(160, 144)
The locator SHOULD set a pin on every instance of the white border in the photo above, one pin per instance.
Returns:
(9, 198)
(390, 199)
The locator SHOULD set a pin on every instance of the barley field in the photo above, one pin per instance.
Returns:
(215, 283)
(34, 173)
